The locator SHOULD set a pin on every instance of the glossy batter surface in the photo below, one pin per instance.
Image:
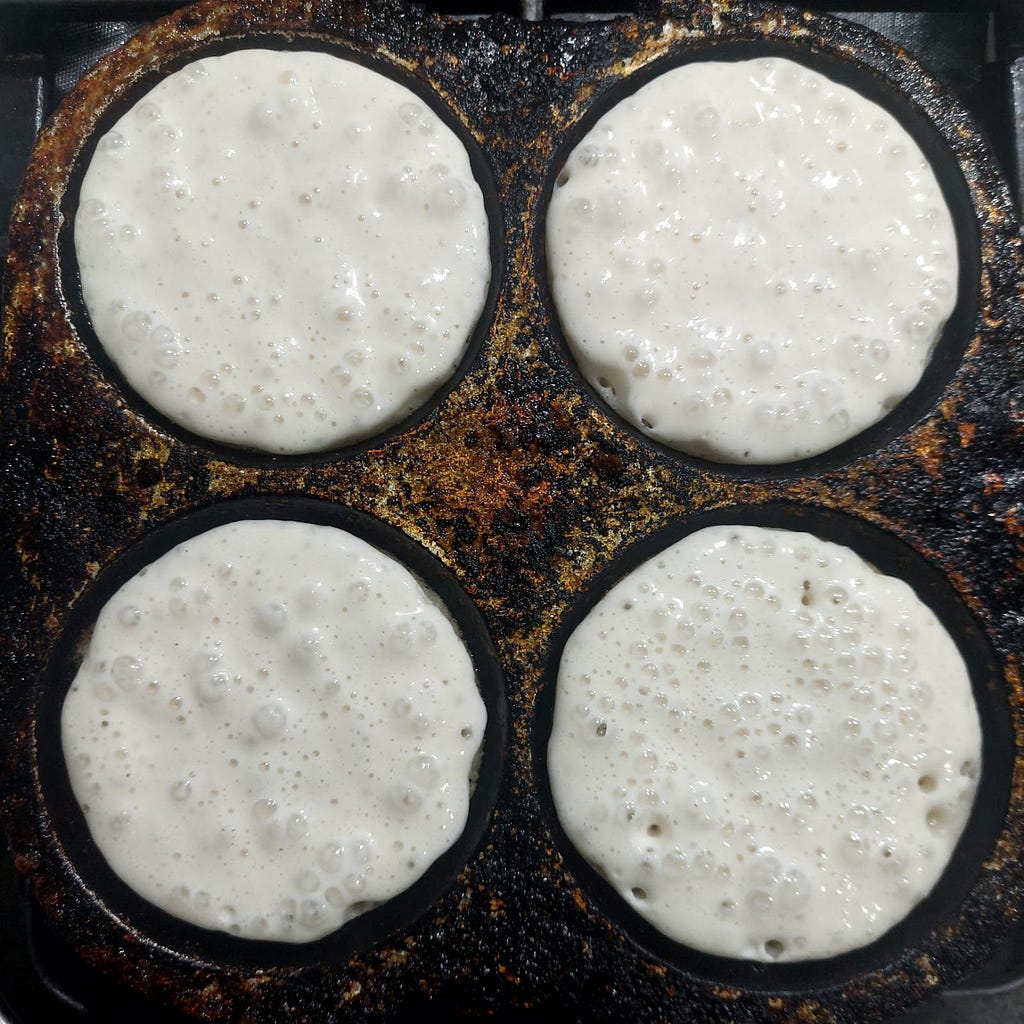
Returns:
(282, 250)
(767, 747)
(751, 263)
(274, 729)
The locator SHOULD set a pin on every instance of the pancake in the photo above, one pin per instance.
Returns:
(275, 728)
(283, 251)
(767, 747)
(750, 263)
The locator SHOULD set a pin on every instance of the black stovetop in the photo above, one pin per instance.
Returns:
(976, 47)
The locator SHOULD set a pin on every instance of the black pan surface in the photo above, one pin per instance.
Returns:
(522, 496)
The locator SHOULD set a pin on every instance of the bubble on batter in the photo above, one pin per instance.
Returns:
(272, 617)
(271, 719)
(126, 671)
(778, 228)
(267, 769)
(320, 252)
(782, 802)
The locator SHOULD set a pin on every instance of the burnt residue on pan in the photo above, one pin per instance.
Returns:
(526, 490)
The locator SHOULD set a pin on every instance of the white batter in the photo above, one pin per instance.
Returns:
(751, 263)
(768, 748)
(282, 250)
(274, 729)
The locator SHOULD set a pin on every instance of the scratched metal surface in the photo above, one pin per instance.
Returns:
(530, 494)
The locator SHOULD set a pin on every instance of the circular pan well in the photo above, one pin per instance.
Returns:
(900, 92)
(946, 903)
(98, 894)
(70, 277)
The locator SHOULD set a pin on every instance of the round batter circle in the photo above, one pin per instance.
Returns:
(283, 251)
(274, 729)
(766, 746)
(750, 263)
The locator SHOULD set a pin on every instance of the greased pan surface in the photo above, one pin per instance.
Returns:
(520, 497)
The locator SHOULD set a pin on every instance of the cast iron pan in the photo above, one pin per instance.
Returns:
(520, 497)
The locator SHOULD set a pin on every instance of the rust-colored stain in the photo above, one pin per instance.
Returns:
(728, 994)
(1012, 520)
(993, 483)
(928, 445)
(527, 490)
(509, 976)
(967, 432)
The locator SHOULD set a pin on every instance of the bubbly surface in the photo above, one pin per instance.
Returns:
(750, 262)
(767, 747)
(275, 728)
(282, 250)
